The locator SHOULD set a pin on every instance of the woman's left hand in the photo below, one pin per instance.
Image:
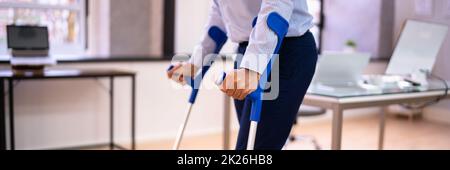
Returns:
(240, 83)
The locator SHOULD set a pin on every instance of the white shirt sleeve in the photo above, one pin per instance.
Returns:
(263, 41)
(207, 45)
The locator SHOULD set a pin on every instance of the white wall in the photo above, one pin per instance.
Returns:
(356, 20)
(366, 22)
(191, 17)
(98, 28)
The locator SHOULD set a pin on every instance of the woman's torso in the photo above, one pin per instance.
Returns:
(238, 16)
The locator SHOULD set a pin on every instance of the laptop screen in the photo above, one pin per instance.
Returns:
(27, 37)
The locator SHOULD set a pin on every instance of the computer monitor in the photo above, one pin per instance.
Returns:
(417, 48)
(27, 37)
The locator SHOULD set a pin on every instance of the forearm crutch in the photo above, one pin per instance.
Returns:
(219, 37)
(279, 26)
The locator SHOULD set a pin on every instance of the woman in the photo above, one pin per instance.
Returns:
(297, 62)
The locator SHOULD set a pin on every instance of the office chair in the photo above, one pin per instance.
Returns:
(307, 111)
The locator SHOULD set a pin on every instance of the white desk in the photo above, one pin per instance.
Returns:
(340, 100)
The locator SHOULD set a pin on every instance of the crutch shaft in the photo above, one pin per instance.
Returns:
(180, 134)
(252, 135)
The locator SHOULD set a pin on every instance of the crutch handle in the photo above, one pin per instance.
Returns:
(170, 68)
(194, 82)
(220, 78)
(255, 97)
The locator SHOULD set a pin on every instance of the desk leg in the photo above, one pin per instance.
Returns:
(11, 113)
(382, 128)
(226, 122)
(2, 116)
(111, 113)
(336, 138)
(133, 112)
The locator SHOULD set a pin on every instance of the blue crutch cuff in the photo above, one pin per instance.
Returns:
(280, 27)
(220, 38)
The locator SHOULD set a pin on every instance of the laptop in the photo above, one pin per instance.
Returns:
(341, 70)
(29, 46)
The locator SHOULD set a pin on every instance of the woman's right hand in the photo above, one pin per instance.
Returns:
(180, 71)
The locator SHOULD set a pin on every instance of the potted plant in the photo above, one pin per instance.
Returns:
(350, 46)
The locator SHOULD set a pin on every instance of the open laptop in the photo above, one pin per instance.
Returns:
(29, 46)
(341, 70)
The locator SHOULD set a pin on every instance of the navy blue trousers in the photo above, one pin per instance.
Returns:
(298, 58)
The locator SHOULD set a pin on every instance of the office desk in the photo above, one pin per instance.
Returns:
(10, 78)
(342, 99)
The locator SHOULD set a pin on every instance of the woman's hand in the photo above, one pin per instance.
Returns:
(180, 71)
(240, 83)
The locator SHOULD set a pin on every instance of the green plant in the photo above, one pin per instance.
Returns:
(351, 43)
